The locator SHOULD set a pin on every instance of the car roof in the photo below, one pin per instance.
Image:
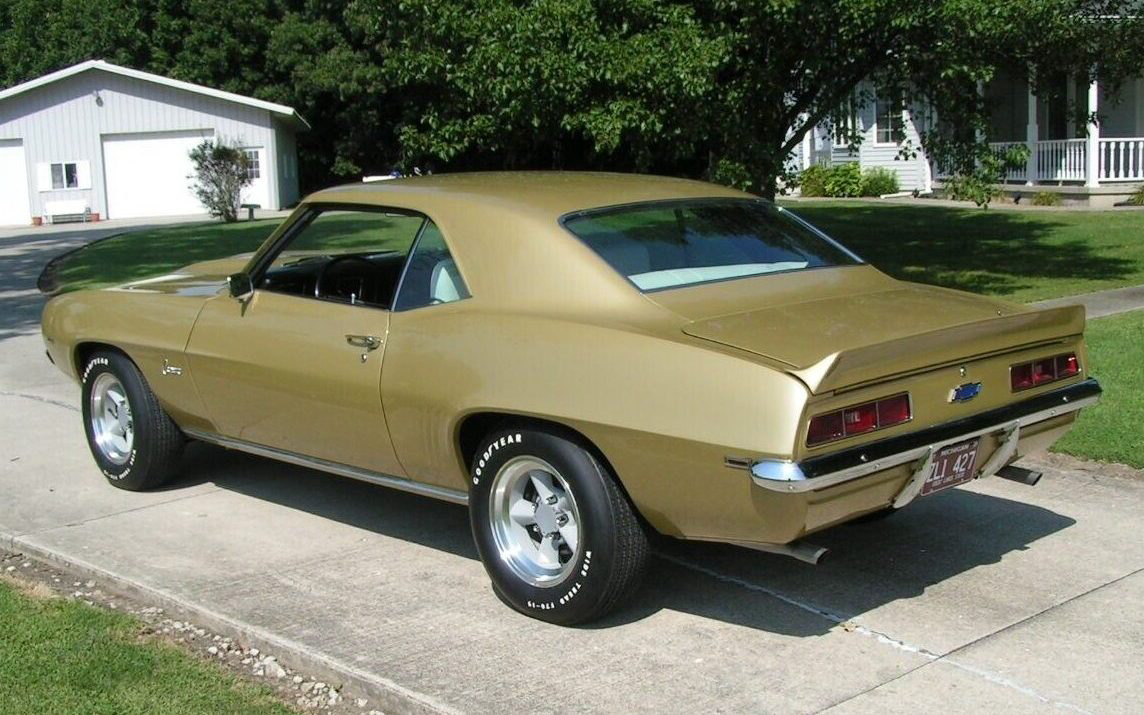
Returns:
(548, 193)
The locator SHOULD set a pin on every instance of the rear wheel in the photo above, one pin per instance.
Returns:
(135, 443)
(559, 540)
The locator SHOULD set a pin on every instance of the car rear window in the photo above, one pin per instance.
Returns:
(663, 245)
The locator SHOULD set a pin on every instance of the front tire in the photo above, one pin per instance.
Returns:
(135, 443)
(558, 539)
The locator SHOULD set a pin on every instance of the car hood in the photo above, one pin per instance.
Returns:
(205, 278)
(843, 340)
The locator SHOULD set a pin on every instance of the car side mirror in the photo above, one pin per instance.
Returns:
(241, 287)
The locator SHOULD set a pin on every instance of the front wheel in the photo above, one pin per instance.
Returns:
(559, 540)
(135, 443)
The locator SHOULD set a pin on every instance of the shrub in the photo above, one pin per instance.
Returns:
(1137, 199)
(1046, 198)
(879, 180)
(220, 175)
(971, 188)
(813, 180)
(844, 181)
(731, 173)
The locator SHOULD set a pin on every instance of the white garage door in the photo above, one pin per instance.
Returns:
(14, 208)
(146, 174)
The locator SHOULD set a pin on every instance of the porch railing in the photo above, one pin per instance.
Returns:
(1061, 160)
(1016, 174)
(1121, 159)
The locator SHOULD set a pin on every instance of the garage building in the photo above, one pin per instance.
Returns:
(108, 141)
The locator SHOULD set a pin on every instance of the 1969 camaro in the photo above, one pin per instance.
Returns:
(583, 359)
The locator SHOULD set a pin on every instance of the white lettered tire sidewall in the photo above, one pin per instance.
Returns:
(587, 589)
(157, 442)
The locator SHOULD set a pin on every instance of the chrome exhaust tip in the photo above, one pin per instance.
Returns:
(800, 550)
(1019, 474)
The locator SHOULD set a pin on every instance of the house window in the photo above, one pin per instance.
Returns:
(845, 122)
(253, 168)
(889, 128)
(65, 176)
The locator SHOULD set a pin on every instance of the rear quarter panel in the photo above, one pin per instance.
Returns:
(664, 412)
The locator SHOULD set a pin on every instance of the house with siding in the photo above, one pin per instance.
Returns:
(1098, 162)
(97, 140)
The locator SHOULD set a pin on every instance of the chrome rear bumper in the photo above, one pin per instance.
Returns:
(921, 446)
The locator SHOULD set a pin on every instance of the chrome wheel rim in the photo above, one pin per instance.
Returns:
(535, 521)
(112, 426)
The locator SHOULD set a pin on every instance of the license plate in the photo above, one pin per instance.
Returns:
(952, 465)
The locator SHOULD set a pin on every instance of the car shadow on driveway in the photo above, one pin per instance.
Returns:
(870, 565)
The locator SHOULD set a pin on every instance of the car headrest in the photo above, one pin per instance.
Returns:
(444, 281)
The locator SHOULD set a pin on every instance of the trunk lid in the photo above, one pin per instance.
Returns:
(842, 341)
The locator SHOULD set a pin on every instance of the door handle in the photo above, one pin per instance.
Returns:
(365, 342)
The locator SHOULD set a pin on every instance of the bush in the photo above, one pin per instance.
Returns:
(813, 180)
(1137, 199)
(844, 181)
(1046, 198)
(879, 180)
(219, 178)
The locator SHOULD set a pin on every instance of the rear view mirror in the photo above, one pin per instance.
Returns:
(241, 287)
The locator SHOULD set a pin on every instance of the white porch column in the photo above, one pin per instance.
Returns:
(1032, 134)
(1092, 140)
(807, 147)
(1070, 106)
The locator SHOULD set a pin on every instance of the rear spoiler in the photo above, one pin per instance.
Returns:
(894, 358)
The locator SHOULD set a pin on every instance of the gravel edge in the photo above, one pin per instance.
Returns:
(350, 685)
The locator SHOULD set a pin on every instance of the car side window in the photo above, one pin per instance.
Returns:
(432, 276)
(345, 255)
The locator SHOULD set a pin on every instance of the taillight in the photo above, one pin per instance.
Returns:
(1042, 371)
(859, 419)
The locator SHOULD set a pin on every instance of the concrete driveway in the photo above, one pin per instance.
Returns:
(995, 597)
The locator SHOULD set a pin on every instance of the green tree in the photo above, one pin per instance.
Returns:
(553, 83)
(41, 36)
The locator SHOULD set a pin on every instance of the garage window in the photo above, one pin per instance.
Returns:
(253, 168)
(65, 176)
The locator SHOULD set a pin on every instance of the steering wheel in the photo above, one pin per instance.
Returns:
(331, 263)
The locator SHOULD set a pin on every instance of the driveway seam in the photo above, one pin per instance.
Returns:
(37, 398)
(850, 625)
(83, 522)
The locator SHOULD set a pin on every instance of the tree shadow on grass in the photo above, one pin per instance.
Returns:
(994, 252)
(142, 254)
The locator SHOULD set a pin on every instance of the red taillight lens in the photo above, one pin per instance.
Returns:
(1067, 366)
(825, 428)
(862, 418)
(1021, 376)
(894, 410)
(1024, 375)
(858, 419)
(1044, 371)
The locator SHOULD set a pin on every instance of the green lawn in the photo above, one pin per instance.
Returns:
(1018, 255)
(60, 656)
(1112, 430)
(152, 252)
(141, 254)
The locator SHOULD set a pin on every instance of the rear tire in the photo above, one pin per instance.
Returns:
(559, 540)
(135, 443)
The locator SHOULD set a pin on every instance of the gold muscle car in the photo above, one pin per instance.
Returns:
(584, 360)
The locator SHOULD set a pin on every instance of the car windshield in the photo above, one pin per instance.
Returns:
(665, 245)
